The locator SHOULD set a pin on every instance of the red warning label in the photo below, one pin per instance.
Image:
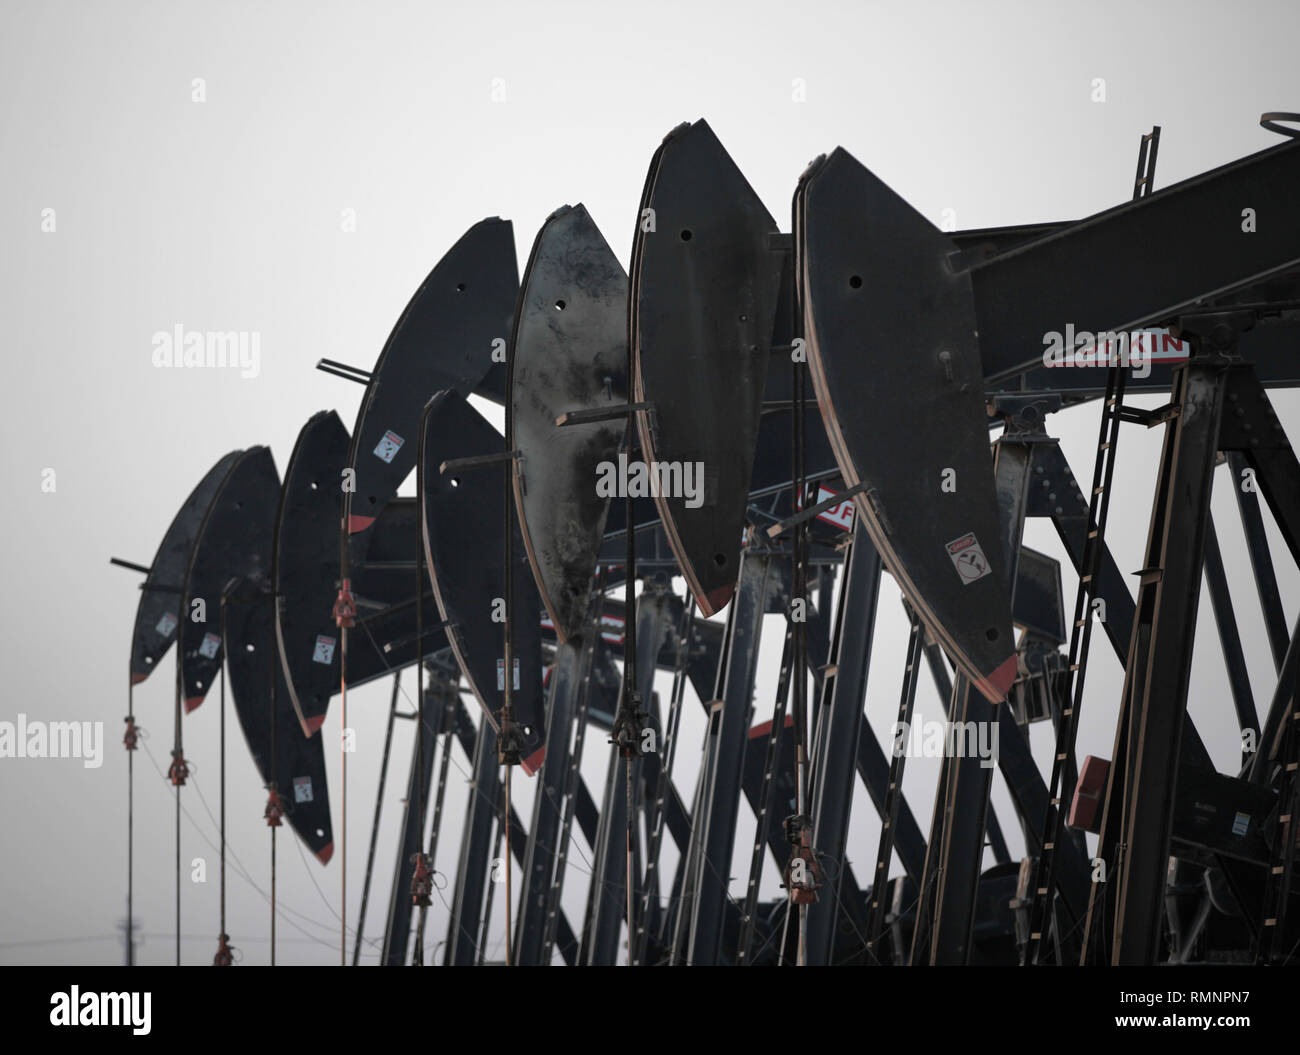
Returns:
(967, 556)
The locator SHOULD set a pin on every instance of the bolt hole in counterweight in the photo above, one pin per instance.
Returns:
(686, 235)
(991, 633)
(460, 287)
(720, 559)
(560, 305)
(855, 282)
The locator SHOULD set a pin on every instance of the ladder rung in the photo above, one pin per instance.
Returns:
(1049, 846)
(1067, 712)
(1092, 533)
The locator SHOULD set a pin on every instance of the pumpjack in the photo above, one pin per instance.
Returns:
(790, 418)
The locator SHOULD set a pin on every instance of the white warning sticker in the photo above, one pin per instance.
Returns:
(841, 515)
(210, 645)
(389, 446)
(968, 558)
(167, 624)
(501, 674)
(613, 628)
(324, 652)
(1240, 823)
(302, 789)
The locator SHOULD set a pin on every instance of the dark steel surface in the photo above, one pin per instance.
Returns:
(443, 339)
(873, 272)
(463, 547)
(705, 288)
(234, 541)
(569, 353)
(163, 587)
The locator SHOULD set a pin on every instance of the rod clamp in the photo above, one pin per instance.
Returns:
(345, 607)
(225, 952)
(802, 874)
(422, 880)
(510, 740)
(179, 770)
(628, 727)
(274, 812)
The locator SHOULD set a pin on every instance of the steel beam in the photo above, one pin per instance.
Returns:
(475, 851)
(544, 831)
(1090, 276)
(1173, 586)
(714, 821)
(1261, 560)
(839, 724)
(397, 931)
(607, 898)
(1225, 620)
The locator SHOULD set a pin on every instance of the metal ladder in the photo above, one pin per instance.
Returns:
(747, 923)
(894, 793)
(657, 814)
(1042, 904)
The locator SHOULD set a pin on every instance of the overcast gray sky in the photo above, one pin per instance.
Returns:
(225, 214)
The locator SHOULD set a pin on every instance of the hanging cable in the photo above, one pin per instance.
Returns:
(177, 774)
(627, 728)
(224, 956)
(345, 615)
(129, 741)
(802, 881)
(422, 879)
